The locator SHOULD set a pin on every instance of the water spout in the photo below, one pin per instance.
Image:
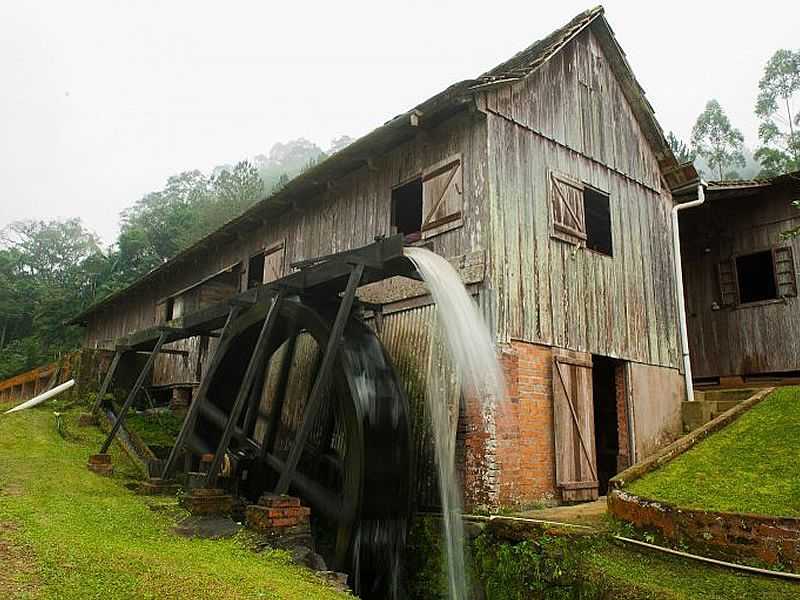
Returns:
(469, 368)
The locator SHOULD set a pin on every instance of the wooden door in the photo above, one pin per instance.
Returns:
(573, 422)
(442, 197)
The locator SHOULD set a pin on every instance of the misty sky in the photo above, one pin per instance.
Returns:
(102, 101)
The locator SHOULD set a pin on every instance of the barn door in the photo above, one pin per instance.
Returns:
(566, 209)
(442, 197)
(573, 422)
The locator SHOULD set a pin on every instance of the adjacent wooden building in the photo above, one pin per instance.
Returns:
(740, 271)
(548, 183)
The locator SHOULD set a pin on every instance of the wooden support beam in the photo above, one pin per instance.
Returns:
(112, 369)
(244, 389)
(314, 403)
(188, 422)
(133, 393)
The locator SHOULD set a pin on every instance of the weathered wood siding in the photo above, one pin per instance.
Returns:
(350, 214)
(747, 339)
(571, 117)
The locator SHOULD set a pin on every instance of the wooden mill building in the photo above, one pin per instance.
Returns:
(548, 183)
(741, 282)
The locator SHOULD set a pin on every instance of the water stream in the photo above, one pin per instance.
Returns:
(463, 362)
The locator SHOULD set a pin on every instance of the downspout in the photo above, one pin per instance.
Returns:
(676, 247)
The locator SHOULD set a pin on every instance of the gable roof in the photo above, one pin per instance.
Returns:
(404, 127)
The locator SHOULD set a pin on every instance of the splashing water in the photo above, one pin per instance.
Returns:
(470, 362)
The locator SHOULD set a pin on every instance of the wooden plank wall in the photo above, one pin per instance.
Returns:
(745, 340)
(348, 215)
(548, 291)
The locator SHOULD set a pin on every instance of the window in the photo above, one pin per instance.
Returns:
(597, 214)
(255, 270)
(265, 266)
(757, 277)
(580, 214)
(169, 309)
(407, 209)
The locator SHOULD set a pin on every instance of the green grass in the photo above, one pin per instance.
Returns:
(751, 466)
(83, 536)
(638, 575)
(155, 430)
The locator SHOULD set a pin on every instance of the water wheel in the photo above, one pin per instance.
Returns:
(355, 466)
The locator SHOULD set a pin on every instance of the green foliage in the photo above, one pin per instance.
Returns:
(681, 151)
(779, 131)
(743, 468)
(424, 561)
(548, 568)
(717, 141)
(48, 273)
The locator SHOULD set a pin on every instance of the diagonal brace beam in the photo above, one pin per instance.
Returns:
(250, 374)
(112, 369)
(148, 367)
(321, 383)
(191, 416)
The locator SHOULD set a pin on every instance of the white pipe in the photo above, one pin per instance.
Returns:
(676, 247)
(712, 561)
(42, 397)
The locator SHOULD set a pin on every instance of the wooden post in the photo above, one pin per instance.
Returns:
(98, 402)
(202, 391)
(244, 389)
(320, 384)
(134, 392)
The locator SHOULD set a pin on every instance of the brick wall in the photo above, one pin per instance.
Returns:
(729, 536)
(508, 452)
(623, 436)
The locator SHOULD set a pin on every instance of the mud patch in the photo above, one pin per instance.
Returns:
(18, 574)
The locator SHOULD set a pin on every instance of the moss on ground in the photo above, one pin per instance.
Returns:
(86, 536)
(751, 466)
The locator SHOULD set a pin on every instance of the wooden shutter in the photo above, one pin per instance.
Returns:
(273, 262)
(728, 285)
(785, 276)
(566, 209)
(573, 422)
(442, 197)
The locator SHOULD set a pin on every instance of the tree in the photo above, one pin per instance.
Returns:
(681, 151)
(339, 143)
(717, 141)
(48, 273)
(776, 106)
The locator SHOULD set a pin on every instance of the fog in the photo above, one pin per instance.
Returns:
(101, 101)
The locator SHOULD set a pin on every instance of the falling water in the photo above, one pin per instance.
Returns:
(471, 353)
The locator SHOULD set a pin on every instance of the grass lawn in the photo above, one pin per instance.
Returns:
(637, 575)
(67, 533)
(751, 466)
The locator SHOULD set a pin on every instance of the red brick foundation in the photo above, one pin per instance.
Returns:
(205, 501)
(508, 453)
(277, 514)
(100, 464)
(729, 536)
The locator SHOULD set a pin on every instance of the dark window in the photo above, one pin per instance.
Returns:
(255, 270)
(756, 275)
(407, 209)
(598, 221)
(169, 309)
